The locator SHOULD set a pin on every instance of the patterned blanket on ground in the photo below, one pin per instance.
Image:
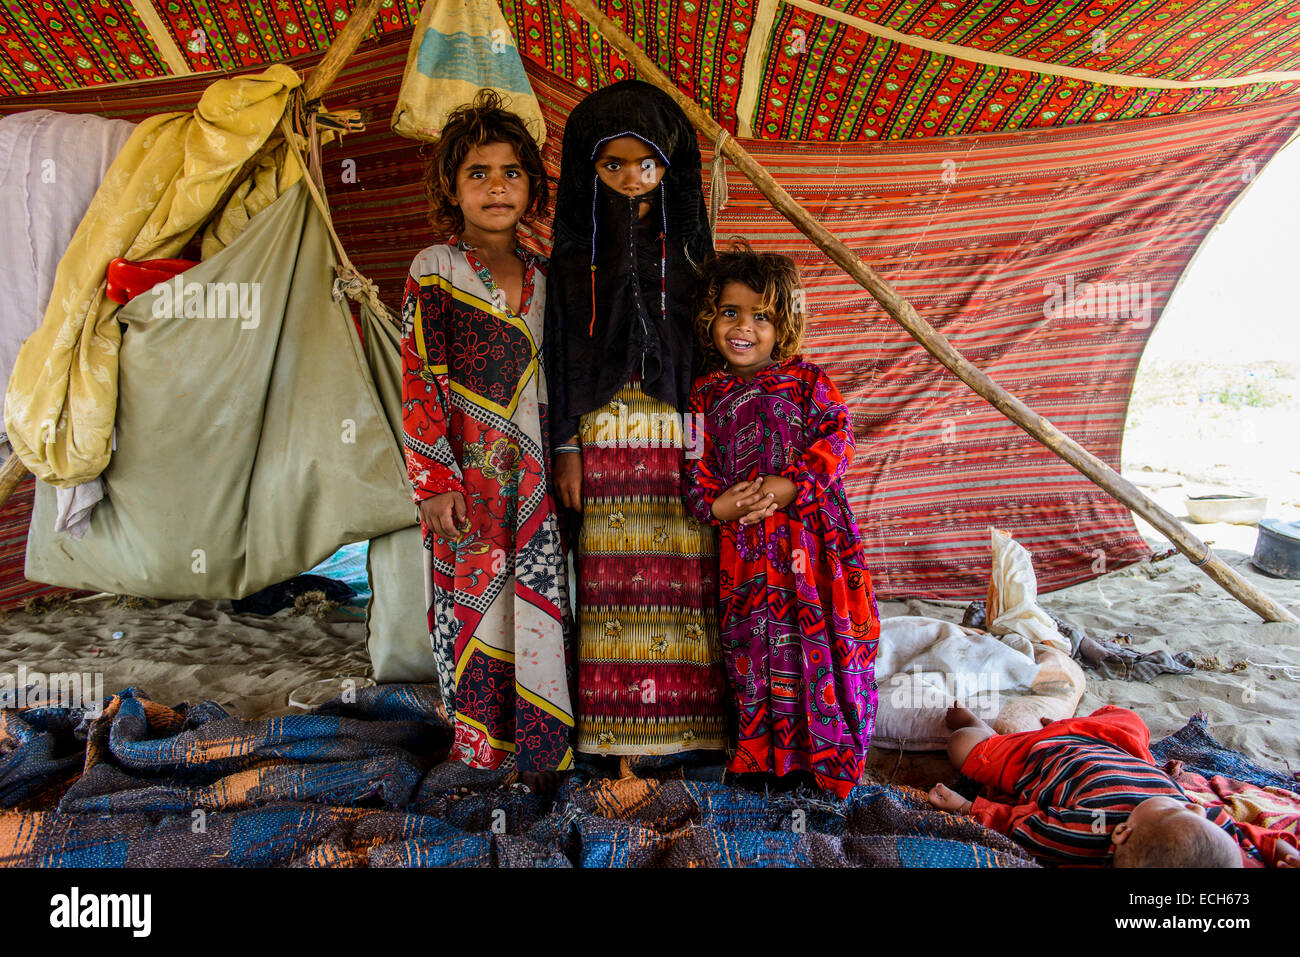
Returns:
(1276, 809)
(1193, 745)
(366, 784)
(1212, 774)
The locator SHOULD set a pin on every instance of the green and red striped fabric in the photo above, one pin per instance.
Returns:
(773, 69)
(978, 231)
(15, 518)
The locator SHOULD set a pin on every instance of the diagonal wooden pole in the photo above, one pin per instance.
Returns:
(933, 342)
(318, 81)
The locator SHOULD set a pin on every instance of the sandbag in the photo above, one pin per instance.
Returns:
(250, 439)
(397, 626)
(457, 48)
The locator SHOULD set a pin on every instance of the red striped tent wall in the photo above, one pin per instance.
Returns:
(15, 519)
(974, 230)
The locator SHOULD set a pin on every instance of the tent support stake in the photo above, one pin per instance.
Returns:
(934, 343)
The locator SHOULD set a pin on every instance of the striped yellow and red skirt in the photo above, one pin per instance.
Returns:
(650, 676)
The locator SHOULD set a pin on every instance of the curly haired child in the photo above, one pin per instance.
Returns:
(477, 450)
(799, 623)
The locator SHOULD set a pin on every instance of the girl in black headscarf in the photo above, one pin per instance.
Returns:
(630, 237)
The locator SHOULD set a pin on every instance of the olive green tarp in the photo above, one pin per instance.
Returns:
(251, 440)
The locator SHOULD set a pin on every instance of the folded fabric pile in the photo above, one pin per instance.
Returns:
(365, 783)
(1108, 658)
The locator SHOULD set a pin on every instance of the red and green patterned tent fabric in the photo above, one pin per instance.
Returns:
(770, 69)
(1036, 188)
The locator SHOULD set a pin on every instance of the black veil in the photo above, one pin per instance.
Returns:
(620, 290)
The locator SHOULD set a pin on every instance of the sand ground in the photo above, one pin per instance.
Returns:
(1248, 680)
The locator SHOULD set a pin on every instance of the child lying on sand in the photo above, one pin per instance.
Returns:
(1086, 791)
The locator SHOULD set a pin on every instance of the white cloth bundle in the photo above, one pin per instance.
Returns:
(924, 664)
(1012, 611)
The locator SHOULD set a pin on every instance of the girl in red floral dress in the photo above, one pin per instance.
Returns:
(474, 413)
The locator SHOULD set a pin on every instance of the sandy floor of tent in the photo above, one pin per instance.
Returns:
(190, 650)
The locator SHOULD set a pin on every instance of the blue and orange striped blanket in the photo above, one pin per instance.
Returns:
(367, 783)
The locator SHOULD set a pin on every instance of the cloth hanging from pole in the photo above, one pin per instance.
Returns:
(62, 394)
(241, 470)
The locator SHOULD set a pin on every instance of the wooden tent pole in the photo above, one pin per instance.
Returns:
(11, 473)
(318, 81)
(933, 342)
(340, 51)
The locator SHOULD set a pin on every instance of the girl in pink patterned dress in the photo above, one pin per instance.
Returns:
(798, 617)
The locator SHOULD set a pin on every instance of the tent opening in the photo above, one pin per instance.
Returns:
(1217, 394)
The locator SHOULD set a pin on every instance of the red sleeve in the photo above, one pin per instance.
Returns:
(431, 463)
(831, 447)
(1000, 817)
(703, 470)
(1057, 835)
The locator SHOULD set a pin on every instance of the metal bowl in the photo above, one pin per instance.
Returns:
(1243, 509)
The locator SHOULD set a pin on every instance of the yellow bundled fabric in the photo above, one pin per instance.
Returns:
(62, 395)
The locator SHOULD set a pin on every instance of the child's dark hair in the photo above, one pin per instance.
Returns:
(1176, 843)
(485, 120)
(772, 276)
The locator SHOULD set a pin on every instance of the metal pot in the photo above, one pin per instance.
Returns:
(1277, 549)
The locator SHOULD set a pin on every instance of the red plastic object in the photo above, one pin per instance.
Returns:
(127, 279)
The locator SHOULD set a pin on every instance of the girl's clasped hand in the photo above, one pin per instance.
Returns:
(753, 501)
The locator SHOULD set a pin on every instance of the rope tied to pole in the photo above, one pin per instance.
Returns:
(349, 280)
(718, 179)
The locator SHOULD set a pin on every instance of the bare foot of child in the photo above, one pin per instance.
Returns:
(959, 717)
(946, 799)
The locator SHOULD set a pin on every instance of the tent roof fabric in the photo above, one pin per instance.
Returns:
(768, 69)
(976, 231)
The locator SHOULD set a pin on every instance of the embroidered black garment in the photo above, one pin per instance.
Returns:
(620, 291)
